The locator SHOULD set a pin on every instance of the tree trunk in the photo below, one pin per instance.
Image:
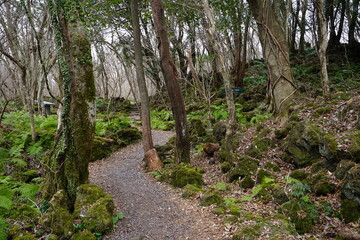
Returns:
(244, 52)
(353, 19)
(172, 84)
(323, 43)
(68, 168)
(231, 123)
(303, 27)
(152, 159)
(281, 87)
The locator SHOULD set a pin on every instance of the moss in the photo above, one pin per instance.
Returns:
(354, 148)
(300, 214)
(88, 194)
(230, 219)
(294, 118)
(323, 110)
(350, 210)
(52, 237)
(225, 167)
(219, 131)
(259, 147)
(318, 166)
(299, 174)
(27, 214)
(282, 133)
(245, 166)
(15, 231)
(183, 174)
(129, 135)
(84, 235)
(235, 210)
(210, 198)
(247, 182)
(26, 237)
(264, 132)
(219, 210)
(351, 184)
(320, 183)
(262, 174)
(342, 168)
(272, 167)
(197, 128)
(60, 221)
(101, 149)
(190, 191)
(329, 149)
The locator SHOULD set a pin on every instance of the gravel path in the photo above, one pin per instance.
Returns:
(153, 210)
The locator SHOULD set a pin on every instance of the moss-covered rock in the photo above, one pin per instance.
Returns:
(225, 167)
(219, 210)
(320, 183)
(299, 174)
(268, 228)
(190, 191)
(27, 214)
(102, 148)
(211, 197)
(301, 146)
(84, 235)
(58, 219)
(94, 207)
(342, 168)
(351, 185)
(319, 165)
(302, 215)
(219, 131)
(197, 128)
(26, 237)
(184, 174)
(354, 148)
(245, 166)
(273, 167)
(259, 147)
(350, 210)
(247, 182)
(129, 135)
(261, 174)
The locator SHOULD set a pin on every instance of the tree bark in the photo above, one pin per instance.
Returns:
(272, 34)
(68, 167)
(172, 84)
(231, 123)
(323, 44)
(303, 27)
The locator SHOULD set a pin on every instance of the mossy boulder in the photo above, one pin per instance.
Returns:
(350, 210)
(299, 174)
(268, 228)
(27, 214)
(184, 174)
(94, 207)
(219, 131)
(197, 128)
(259, 147)
(320, 183)
(102, 148)
(211, 197)
(301, 215)
(225, 167)
(351, 184)
(129, 135)
(58, 219)
(190, 191)
(342, 168)
(84, 235)
(247, 182)
(245, 166)
(301, 146)
(354, 148)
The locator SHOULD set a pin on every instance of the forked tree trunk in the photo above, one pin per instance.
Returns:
(281, 87)
(151, 157)
(231, 123)
(323, 44)
(172, 83)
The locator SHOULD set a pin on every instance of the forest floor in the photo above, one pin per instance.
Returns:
(153, 210)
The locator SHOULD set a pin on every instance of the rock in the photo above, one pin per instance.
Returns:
(320, 183)
(350, 210)
(183, 174)
(259, 147)
(300, 214)
(342, 168)
(299, 174)
(219, 131)
(26, 214)
(197, 128)
(210, 149)
(245, 166)
(247, 182)
(84, 235)
(101, 149)
(264, 228)
(301, 146)
(58, 218)
(190, 191)
(152, 160)
(211, 197)
(94, 207)
(354, 148)
(351, 185)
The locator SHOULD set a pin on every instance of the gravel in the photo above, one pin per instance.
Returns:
(153, 210)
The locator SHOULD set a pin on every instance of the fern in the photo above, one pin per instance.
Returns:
(5, 202)
(27, 190)
(3, 227)
(19, 162)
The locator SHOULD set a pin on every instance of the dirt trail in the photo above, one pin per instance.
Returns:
(153, 210)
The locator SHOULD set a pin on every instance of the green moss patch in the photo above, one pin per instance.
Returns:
(245, 166)
(184, 174)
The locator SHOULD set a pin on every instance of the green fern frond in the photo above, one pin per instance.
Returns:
(19, 162)
(28, 190)
(5, 202)
(5, 191)
(3, 227)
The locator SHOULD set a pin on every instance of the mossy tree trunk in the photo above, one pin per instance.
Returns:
(272, 33)
(68, 166)
(172, 83)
